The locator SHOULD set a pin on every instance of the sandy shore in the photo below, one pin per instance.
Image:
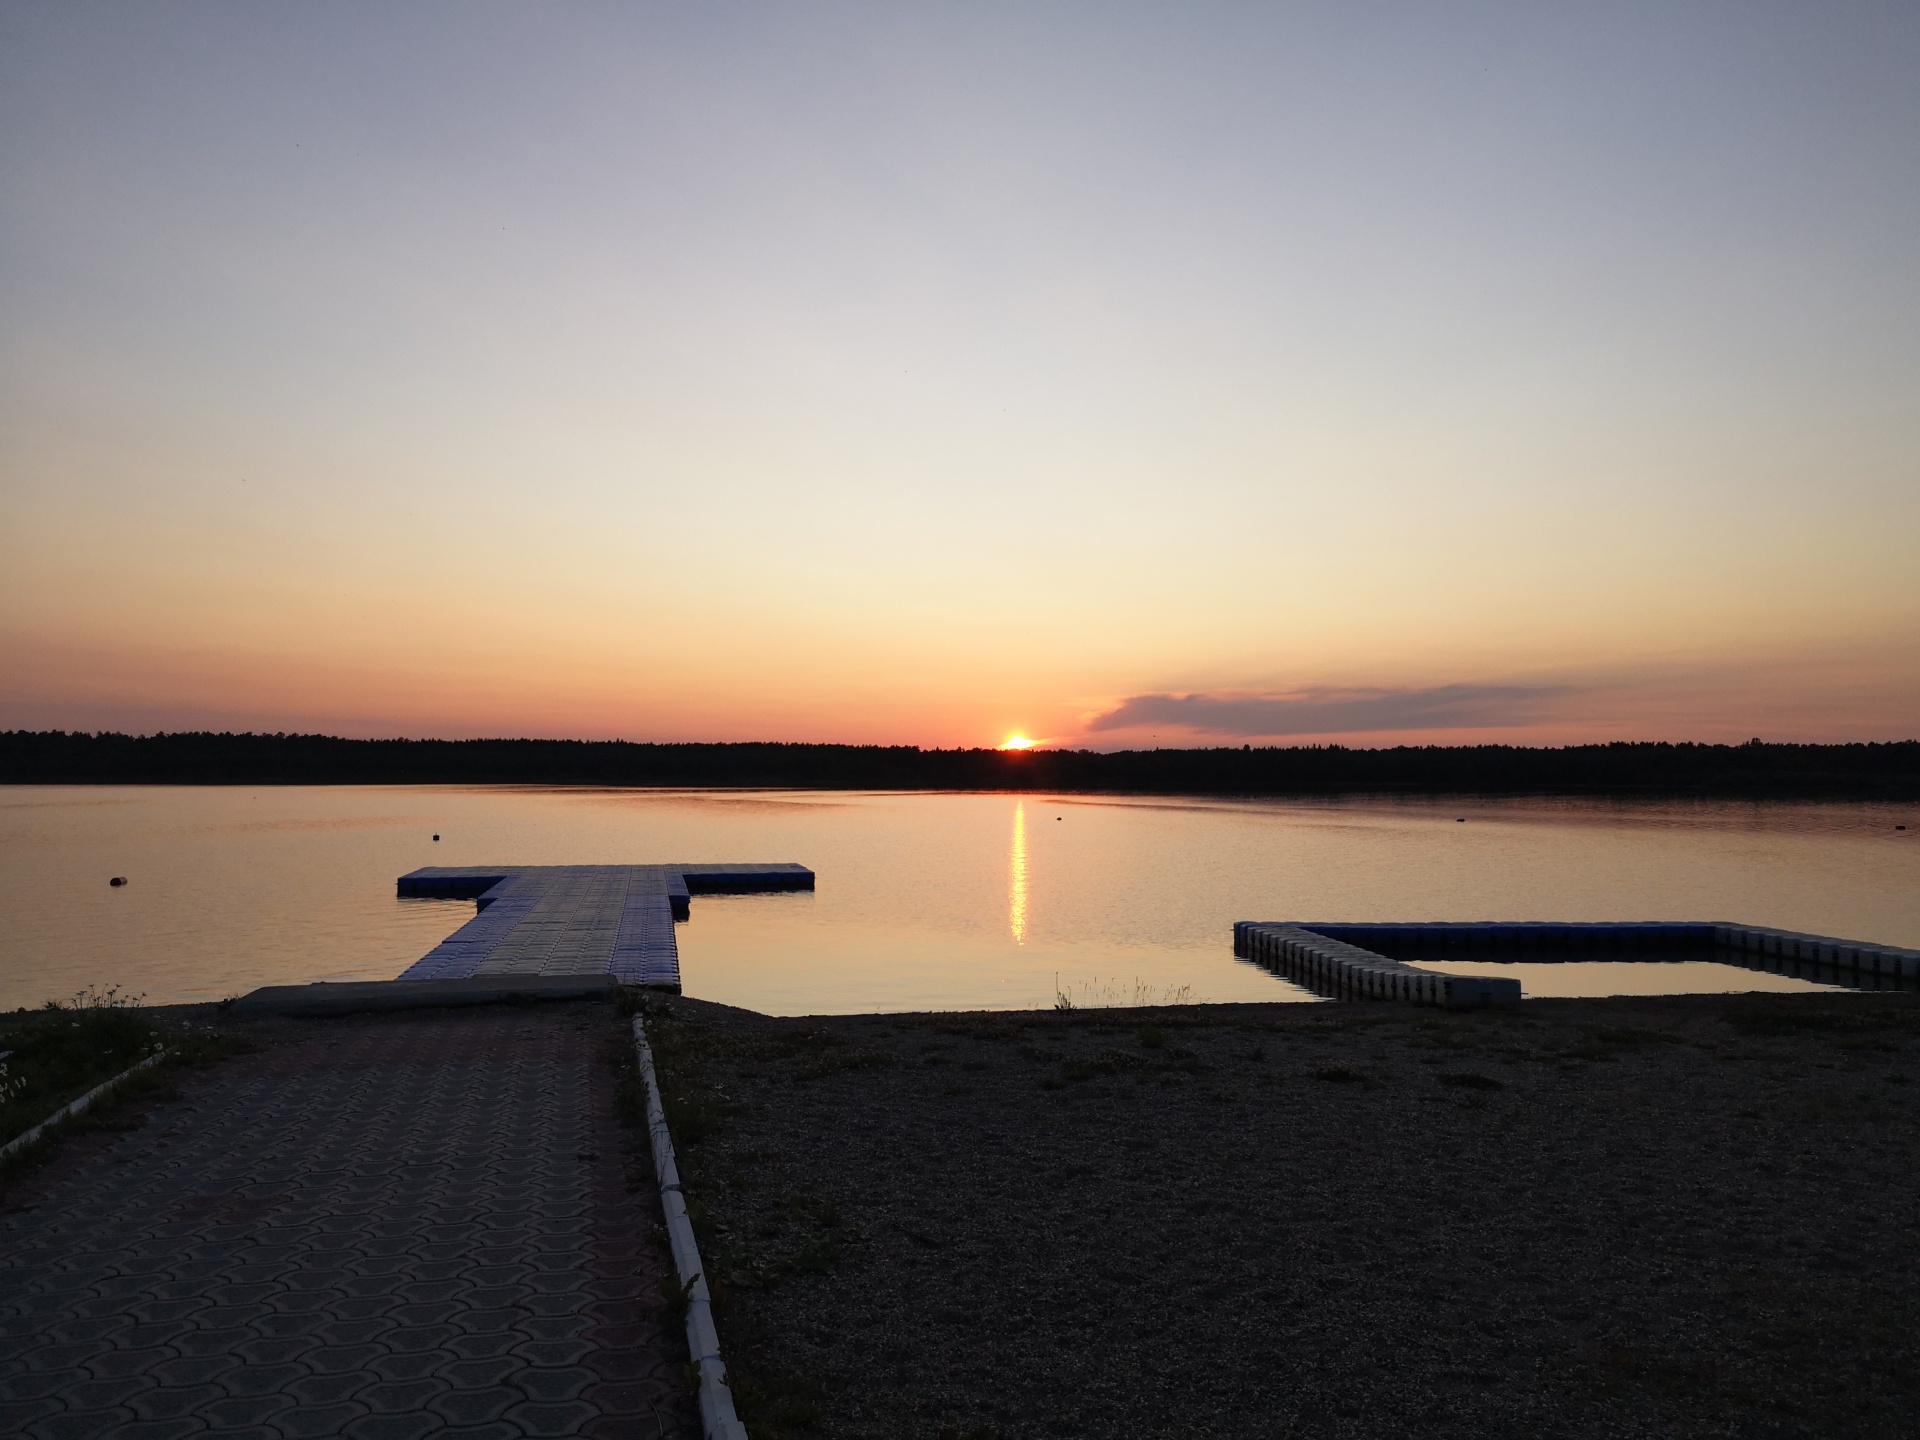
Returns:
(1671, 1217)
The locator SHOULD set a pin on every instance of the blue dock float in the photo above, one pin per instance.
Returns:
(551, 920)
(1379, 961)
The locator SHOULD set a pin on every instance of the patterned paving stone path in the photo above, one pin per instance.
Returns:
(389, 1226)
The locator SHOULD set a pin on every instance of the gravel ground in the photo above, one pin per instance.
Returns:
(1677, 1217)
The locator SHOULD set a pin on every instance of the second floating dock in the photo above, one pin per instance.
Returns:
(1380, 961)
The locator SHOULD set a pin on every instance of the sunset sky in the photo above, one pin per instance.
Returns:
(1107, 374)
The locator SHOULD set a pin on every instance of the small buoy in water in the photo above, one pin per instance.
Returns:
(1459, 819)
(118, 880)
(436, 837)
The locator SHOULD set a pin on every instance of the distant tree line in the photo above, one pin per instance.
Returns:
(1860, 771)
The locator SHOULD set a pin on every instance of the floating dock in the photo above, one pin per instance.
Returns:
(1379, 961)
(577, 920)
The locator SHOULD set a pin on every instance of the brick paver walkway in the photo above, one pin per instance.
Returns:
(389, 1226)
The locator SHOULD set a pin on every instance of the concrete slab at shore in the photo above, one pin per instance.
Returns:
(367, 996)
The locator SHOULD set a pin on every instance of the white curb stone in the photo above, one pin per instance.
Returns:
(717, 1420)
(20, 1142)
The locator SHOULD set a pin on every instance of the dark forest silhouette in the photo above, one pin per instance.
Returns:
(1862, 771)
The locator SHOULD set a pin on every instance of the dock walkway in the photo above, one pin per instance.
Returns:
(389, 1226)
(577, 919)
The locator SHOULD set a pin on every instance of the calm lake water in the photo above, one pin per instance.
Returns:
(925, 901)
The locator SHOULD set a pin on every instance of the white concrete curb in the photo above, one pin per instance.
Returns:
(717, 1420)
(20, 1142)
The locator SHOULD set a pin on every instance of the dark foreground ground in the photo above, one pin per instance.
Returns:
(1681, 1217)
(378, 1227)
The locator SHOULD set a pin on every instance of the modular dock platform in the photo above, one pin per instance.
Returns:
(1379, 961)
(577, 920)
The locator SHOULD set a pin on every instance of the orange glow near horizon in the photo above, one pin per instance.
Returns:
(1017, 742)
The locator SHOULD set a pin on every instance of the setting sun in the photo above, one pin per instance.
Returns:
(1017, 742)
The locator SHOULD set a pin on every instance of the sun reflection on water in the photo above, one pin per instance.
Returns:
(1017, 876)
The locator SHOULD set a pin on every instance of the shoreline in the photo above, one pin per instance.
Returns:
(1879, 770)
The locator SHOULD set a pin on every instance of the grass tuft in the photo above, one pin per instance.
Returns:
(54, 1055)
